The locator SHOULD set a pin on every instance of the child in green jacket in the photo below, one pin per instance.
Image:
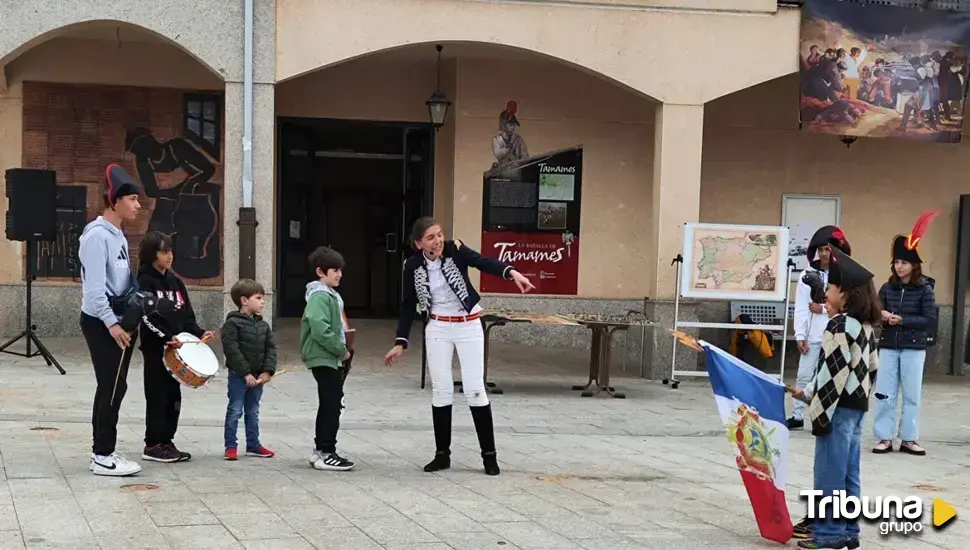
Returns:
(323, 348)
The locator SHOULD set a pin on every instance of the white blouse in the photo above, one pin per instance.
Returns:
(444, 301)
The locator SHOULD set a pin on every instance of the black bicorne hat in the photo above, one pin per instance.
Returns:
(906, 247)
(118, 183)
(828, 235)
(846, 273)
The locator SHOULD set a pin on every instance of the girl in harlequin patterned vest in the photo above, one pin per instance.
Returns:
(838, 396)
(811, 316)
(909, 312)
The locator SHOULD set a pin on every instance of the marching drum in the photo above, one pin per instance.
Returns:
(194, 363)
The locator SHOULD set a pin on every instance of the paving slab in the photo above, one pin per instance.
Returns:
(652, 471)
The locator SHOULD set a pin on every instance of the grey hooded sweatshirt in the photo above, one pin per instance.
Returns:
(316, 286)
(104, 268)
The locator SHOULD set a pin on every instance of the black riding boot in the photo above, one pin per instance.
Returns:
(442, 439)
(482, 416)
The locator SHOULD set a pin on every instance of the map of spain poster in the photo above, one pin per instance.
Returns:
(734, 262)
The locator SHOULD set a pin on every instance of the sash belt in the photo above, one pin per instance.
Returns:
(454, 319)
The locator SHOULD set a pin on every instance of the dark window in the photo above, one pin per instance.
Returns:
(203, 122)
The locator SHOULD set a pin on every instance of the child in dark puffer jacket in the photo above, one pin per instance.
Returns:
(247, 341)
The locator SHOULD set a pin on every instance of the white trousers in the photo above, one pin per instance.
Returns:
(441, 340)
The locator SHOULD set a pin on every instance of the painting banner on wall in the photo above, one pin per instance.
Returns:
(734, 262)
(883, 71)
(549, 260)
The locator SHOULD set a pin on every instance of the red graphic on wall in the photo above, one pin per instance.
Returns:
(549, 260)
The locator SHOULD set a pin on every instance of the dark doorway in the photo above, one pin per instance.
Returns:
(355, 186)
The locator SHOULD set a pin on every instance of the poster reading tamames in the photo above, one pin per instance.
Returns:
(531, 208)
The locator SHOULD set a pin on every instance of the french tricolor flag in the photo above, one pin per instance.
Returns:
(752, 406)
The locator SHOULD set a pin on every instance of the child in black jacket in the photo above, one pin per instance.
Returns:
(163, 396)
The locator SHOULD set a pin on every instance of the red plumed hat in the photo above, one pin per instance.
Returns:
(828, 235)
(906, 247)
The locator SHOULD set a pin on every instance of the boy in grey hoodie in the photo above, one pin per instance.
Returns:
(105, 276)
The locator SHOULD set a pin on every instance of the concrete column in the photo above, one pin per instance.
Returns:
(264, 179)
(264, 160)
(232, 190)
(676, 188)
(11, 148)
(678, 142)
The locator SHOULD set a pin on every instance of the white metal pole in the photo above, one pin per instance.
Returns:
(673, 352)
(784, 337)
(248, 107)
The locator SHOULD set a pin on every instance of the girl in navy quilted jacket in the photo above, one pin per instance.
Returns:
(909, 313)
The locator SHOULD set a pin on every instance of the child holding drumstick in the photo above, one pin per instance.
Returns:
(163, 395)
(247, 341)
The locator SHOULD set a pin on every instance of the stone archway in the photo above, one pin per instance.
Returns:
(87, 94)
(25, 28)
(556, 105)
(674, 56)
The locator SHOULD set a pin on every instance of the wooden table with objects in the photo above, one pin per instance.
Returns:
(602, 328)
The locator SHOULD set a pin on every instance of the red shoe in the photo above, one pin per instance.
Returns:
(261, 452)
(231, 454)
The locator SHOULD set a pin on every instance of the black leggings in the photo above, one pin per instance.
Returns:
(330, 390)
(107, 359)
(163, 400)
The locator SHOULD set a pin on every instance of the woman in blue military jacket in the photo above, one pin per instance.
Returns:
(436, 286)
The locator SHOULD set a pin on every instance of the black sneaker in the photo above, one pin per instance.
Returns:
(803, 529)
(795, 423)
(838, 545)
(183, 456)
(161, 453)
(332, 461)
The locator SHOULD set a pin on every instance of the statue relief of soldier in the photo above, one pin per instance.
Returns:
(188, 211)
(508, 146)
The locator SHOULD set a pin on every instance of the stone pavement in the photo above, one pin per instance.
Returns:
(652, 471)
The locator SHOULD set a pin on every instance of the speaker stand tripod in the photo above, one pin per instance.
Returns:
(29, 329)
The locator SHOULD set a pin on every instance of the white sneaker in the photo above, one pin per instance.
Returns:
(333, 462)
(314, 457)
(113, 465)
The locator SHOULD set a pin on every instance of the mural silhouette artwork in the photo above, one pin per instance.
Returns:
(188, 212)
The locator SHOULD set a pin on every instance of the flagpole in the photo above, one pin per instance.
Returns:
(784, 336)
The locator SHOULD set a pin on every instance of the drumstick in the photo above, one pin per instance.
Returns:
(118, 375)
(793, 391)
(275, 374)
(202, 341)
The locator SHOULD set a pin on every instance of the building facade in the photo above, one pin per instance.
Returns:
(685, 111)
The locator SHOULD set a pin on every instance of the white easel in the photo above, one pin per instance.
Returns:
(678, 324)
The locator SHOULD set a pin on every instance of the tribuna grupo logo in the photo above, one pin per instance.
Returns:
(894, 514)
